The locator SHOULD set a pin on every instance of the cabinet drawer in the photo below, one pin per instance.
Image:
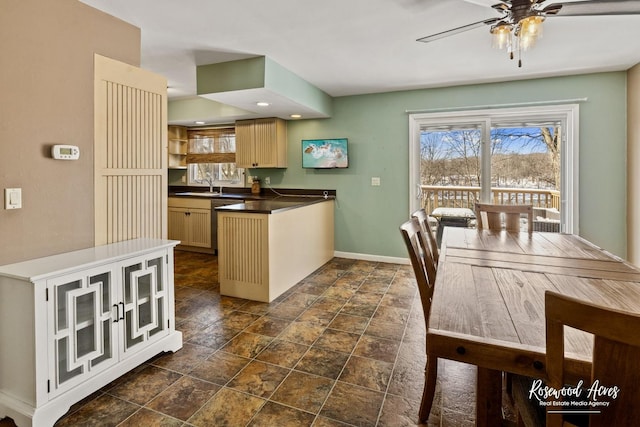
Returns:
(183, 202)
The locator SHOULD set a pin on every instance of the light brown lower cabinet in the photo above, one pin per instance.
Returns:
(189, 221)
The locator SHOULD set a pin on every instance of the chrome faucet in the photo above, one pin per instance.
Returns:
(209, 180)
(221, 190)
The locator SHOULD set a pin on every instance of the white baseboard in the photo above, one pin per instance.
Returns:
(367, 257)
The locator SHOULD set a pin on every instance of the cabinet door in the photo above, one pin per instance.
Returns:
(191, 226)
(261, 143)
(244, 144)
(264, 145)
(199, 224)
(144, 301)
(177, 225)
(81, 312)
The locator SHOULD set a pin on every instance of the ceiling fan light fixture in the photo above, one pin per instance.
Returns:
(501, 36)
(529, 30)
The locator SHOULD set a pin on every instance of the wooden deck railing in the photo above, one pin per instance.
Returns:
(434, 196)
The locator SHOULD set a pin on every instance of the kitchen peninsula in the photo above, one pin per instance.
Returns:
(267, 246)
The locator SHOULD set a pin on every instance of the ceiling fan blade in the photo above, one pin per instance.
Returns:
(594, 8)
(486, 3)
(457, 30)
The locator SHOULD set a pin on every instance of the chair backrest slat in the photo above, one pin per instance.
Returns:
(423, 219)
(489, 216)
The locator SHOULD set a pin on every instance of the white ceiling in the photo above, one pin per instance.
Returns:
(365, 46)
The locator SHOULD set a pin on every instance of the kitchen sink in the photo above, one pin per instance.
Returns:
(199, 193)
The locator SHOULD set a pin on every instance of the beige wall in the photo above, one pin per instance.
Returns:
(46, 87)
(633, 165)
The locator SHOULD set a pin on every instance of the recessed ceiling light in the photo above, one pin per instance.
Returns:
(262, 104)
(296, 116)
(199, 123)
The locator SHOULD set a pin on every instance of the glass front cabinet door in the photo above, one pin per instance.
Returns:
(101, 316)
(82, 310)
(144, 302)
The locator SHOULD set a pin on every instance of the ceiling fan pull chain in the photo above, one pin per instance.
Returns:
(519, 56)
(511, 45)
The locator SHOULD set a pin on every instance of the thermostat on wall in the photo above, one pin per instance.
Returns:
(65, 152)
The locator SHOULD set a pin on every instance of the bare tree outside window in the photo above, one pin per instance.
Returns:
(529, 156)
(522, 158)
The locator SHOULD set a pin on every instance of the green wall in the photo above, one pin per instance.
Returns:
(377, 125)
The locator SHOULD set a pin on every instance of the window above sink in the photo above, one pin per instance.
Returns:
(206, 146)
(215, 175)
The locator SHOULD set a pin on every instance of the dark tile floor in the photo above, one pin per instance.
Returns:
(344, 347)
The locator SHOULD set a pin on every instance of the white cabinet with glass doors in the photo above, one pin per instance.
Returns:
(93, 315)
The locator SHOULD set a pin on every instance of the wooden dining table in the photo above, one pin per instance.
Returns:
(488, 303)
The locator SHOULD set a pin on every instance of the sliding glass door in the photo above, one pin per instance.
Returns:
(512, 156)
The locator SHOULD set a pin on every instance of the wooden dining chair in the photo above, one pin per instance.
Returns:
(489, 216)
(616, 358)
(421, 260)
(424, 270)
(423, 218)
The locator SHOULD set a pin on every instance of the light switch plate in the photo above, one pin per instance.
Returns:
(13, 198)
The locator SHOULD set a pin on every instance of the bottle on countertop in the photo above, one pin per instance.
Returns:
(255, 185)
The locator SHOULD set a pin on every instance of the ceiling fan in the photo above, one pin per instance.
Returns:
(520, 21)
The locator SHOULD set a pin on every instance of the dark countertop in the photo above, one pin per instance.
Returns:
(269, 206)
(216, 195)
(265, 202)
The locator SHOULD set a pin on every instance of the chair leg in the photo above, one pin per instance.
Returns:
(507, 377)
(430, 374)
(488, 397)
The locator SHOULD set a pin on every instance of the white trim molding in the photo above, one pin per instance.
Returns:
(368, 257)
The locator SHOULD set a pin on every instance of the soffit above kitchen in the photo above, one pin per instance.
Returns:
(262, 87)
(364, 46)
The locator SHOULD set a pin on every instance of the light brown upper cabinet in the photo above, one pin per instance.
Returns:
(261, 143)
(178, 144)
